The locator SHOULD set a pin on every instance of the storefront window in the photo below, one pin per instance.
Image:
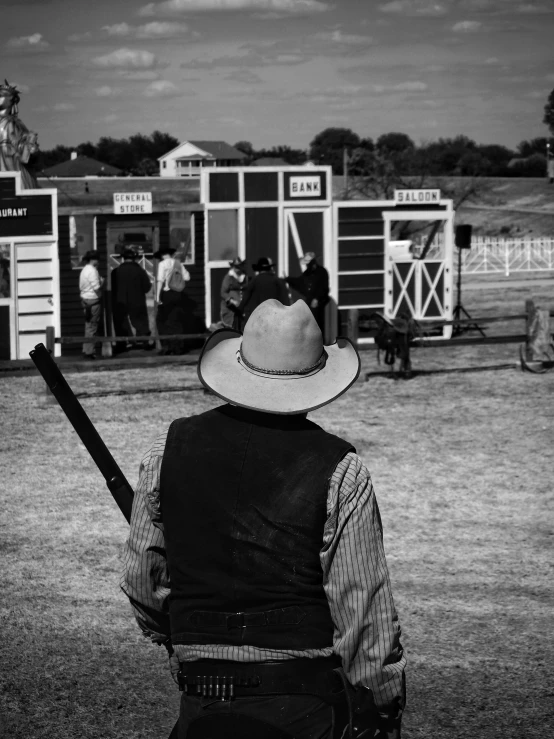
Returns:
(181, 235)
(411, 239)
(5, 284)
(144, 236)
(222, 235)
(81, 238)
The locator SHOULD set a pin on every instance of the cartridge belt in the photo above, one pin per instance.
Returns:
(225, 680)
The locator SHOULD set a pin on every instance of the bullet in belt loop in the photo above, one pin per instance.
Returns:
(204, 691)
(217, 686)
(198, 685)
(231, 688)
(224, 689)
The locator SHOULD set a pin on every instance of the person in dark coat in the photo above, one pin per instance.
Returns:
(313, 285)
(130, 283)
(265, 286)
(232, 288)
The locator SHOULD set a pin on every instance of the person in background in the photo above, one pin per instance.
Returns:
(90, 290)
(264, 286)
(232, 289)
(255, 552)
(171, 279)
(130, 283)
(313, 285)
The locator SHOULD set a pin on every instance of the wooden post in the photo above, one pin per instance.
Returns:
(50, 339)
(538, 344)
(352, 326)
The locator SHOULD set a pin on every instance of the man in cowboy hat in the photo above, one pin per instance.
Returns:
(265, 286)
(255, 551)
(130, 283)
(232, 289)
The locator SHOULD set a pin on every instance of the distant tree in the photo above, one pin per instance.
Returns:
(532, 166)
(288, 154)
(244, 146)
(392, 144)
(87, 149)
(534, 146)
(146, 168)
(329, 145)
(498, 158)
(45, 158)
(367, 144)
(549, 113)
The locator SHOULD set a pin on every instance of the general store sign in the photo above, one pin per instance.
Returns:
(417, 197)
(132, 202)
(302, 187)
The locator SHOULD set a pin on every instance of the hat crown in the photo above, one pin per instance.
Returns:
(282, 338)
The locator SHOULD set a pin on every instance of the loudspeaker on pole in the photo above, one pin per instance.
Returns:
(463, 236)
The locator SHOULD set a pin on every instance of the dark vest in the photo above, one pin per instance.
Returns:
(244, 503)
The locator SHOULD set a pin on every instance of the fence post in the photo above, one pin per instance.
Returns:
(352, 325)
(507, 257)
(50, 339)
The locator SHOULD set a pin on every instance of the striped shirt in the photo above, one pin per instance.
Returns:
(355, 579)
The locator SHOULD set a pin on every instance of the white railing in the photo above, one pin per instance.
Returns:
(490, 254)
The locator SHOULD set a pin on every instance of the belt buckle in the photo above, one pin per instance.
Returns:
(236, 620)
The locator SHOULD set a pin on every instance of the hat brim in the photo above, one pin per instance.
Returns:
(220, 371)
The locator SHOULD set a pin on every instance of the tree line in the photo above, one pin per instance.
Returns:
(391, 154)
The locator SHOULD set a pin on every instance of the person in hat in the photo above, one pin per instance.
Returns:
(232, 289)
(130, 284)
(255, 552)
(170, 318)
(265, 286)
(313, 286)
(90, 291)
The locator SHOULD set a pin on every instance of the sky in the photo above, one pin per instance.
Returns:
(276, 72)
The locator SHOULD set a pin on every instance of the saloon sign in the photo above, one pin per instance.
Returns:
(132, 202)
(417, 197)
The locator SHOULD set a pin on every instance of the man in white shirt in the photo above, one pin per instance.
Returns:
(90, 288)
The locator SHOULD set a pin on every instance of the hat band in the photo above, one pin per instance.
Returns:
(283, 373)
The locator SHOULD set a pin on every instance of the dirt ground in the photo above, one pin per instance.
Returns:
(461, 457)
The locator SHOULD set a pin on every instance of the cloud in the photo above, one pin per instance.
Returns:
(416, 7)
(161, 89)
(75, 37)
(245, 76)
(268, 8)
(33, 42)
(466, 26)
(63, 107)
(153, 30)
(415, 86)
(338, 37)
(137, 75)
(127, 59)
(105, 91)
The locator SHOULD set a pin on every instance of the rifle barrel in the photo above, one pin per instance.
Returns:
(76, 414)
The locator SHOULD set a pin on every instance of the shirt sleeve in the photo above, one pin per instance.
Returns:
(145, 578)
(357, 585)
(186, 273)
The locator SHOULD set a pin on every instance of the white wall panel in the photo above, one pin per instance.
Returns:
(29, 341)
(34, 251)
(26, 270)
(37, 323)
(35, 305)
(35, 287)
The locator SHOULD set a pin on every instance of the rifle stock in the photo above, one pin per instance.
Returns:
(115, 479)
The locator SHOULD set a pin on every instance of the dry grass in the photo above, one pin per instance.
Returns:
(462, 465)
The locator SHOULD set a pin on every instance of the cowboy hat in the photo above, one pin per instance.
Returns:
(237, 262)
(263, 264)
(279, 365)
(90, 255)
(129, 252)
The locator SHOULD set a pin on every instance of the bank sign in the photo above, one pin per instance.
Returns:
(304, 185)
(417, 197)
(132, 203)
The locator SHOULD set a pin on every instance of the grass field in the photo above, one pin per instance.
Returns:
(462, 463)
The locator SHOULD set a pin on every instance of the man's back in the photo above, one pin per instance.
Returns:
(265, 286)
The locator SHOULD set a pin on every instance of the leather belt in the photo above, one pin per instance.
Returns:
(290, 616)
(225, 680)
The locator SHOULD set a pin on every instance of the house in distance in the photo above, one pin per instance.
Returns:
(191, 157)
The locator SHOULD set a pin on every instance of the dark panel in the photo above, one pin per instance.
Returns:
(359, 262)
(216, 278)
(353, 247)
(261, 234)
(261, 186)
(360, 214)
(362, 297)
(195, 289)
(434, 309)
(361, 228)
(410, 208)
(26, 215)
(349, 282)
(5, 332)
(304, 174)
(310, 231)
(7, 187)
(224, 187)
